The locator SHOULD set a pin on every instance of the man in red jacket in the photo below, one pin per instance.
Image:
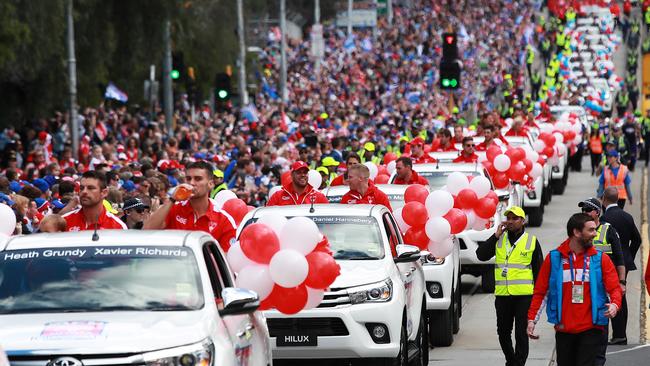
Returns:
(405, 173)
(418, 156)
(298, 192)
(446, 143)
(342, 180)
(576, 280)
(362, 190)
(468, 154)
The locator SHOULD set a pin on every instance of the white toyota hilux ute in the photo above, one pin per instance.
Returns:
(442, 275)
(375, 309)
(128, 298)
(436, 174)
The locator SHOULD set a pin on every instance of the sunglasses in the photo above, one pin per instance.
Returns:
(472, 145)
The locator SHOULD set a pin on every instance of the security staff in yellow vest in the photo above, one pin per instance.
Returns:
(517, 263)
(219, 184)
(331, 165)
(608, 242)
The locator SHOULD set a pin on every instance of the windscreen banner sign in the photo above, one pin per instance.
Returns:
(94, 252)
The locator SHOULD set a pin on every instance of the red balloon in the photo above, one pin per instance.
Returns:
(528, 164)
(500, 180)
(415, 214)
(259, 243)
(456, 204)
(382, 170)
(236, 208)
(571, 135)
(516, 154)
(323, 270)
(389, 156)
(285, 178)
(323, 246)
(289, 300)
(541, 161)
(457, 220)
(492, 152)
(548, 138)
(467, 198)
(485, 208)
(548, 151)
(416, 193)
(517, 172)
(382, 178)
(417, 236)
(492, 195)
(250, 208)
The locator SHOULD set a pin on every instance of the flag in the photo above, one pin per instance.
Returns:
(112, 92)
(250, 113)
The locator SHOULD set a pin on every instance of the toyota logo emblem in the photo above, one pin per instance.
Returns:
(65, 361)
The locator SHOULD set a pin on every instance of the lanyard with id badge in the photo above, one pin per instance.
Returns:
(509, 250)
(578, 290)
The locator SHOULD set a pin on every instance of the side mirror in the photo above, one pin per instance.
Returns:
(238, 301)
(407, 253)
(504, 197)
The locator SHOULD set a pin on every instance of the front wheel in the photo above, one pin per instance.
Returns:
(441, 327)
(558, 186)
(535, 216)
(423, 341)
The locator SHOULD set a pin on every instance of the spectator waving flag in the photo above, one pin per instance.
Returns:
(112, 92)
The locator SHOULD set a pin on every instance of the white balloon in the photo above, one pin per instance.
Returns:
(7, 220)
(479, 223)
(558, 137)
(441, 249)
(439, 202)
(314, 179)
(237, 259)
(539, 145)
(437, 229)
(289, 268)
(536, 171)
(403, 226)
(471, 219)
(300, 234)
(501, 163)
(273, 190)
(391, 166)
(222, 197)
(456, 182)
(275, 222)
(314, 298)
(256, 278)
(373, 169)
(480, 185)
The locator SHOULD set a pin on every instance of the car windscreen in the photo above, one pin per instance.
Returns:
(100, 278)
(438, 179)
(351, 237)
(396, 200)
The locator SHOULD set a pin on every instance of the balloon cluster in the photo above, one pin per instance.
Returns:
(227, 201)
(7, 221)
(429, 220)
(287, 262)
(567, 131)
(517, 164)
(551, 145)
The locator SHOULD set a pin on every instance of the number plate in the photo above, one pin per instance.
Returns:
(296, 341)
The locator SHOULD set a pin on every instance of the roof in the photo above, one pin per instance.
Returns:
(319, 210)
(106, 238)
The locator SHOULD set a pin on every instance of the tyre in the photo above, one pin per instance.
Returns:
(535, 216)
(549, 193)
(423, 341)
(457, 309)
(487, 281)
(441, 327)
(402, 357)
(558, 186)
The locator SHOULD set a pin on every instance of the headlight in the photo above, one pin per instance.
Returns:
(374, 292)
(198, 354)
(431, 259)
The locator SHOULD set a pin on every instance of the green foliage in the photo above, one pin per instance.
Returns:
(115, 40)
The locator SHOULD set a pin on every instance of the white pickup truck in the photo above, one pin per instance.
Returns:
(375, 310)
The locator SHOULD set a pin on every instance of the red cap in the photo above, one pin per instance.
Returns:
(417, 141)
(42, 135)
(299, 165)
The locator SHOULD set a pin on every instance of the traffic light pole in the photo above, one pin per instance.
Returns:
(168, 100)
(72, 75)
(242, 53)
(283, 52)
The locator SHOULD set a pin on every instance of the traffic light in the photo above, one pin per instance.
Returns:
(450, 74)
(449, 46)
(178, 65)
(223, 86)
